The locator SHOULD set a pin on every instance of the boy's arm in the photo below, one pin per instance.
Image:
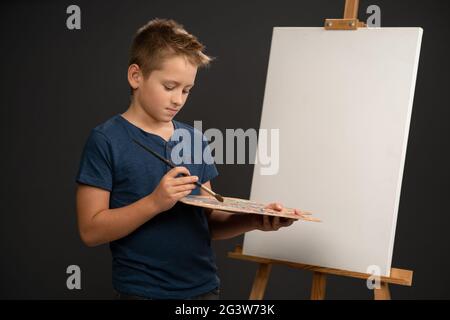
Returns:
(225, 225)
(98, 224)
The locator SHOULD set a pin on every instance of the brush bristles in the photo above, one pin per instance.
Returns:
(218, 197)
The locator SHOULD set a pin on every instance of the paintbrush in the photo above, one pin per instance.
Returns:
(170, 164)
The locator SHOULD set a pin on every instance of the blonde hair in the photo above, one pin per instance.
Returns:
(160, 39)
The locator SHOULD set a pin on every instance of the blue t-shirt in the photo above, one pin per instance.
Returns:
(169, 256)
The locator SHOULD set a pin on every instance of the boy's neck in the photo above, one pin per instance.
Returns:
(137, 116)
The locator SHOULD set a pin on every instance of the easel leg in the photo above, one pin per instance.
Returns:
(318, 286)
(383, 292)
(260, 283)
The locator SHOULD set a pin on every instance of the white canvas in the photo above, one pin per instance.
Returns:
(342, 101)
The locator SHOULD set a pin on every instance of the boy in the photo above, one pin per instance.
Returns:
(161, 248)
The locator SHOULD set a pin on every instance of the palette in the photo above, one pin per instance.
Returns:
(244, 206)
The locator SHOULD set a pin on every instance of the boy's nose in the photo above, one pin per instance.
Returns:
(177, 99)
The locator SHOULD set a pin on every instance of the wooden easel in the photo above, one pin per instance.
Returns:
(397, 276)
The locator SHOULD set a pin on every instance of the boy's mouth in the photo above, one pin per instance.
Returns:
(172, 110)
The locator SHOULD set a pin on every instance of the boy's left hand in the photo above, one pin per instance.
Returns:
(273, 223)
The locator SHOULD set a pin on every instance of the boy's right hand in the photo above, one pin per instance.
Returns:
(171, 189)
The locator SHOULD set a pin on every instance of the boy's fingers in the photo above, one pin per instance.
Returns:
(183, 188)
(275, 206)
(183, 194)
(266, 222)
(302, 213)
(276, 224)
(178, 170)
(184, 180)
(285, 222)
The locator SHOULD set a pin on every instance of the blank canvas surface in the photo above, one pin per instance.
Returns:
(342, 101)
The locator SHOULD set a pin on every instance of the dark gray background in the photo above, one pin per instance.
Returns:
(57, 84)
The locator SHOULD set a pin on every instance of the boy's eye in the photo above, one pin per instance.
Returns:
(171, 88)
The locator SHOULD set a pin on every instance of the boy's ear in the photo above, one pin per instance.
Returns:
(134, 76)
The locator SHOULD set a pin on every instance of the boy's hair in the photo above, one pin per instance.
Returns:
(160, 39)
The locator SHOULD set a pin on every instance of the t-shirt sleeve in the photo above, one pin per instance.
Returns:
(209, 167)
(96, 162)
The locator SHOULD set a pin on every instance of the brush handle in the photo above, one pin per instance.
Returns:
(206, 189)
(170, 164)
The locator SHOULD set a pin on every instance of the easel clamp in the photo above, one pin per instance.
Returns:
(350, 20)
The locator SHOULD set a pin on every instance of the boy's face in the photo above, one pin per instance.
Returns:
(163, 93)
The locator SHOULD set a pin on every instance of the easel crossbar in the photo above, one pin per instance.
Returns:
(398, 276)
